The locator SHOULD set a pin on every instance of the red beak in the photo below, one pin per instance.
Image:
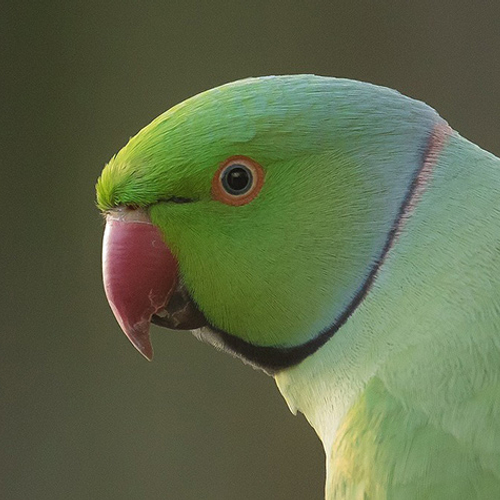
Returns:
(139, 273)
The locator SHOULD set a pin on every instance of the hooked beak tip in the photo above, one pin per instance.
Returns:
(146, 352)
(139, 337)
(143, 345)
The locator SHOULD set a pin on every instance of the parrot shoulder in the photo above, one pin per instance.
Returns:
(386, 449)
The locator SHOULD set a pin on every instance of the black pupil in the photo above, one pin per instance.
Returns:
(237, 179)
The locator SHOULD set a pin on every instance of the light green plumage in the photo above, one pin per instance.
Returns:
(407, 384)
(406, 395)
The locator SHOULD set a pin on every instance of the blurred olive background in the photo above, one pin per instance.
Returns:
(82, 414)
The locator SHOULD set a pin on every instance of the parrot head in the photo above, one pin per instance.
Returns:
(257, 214)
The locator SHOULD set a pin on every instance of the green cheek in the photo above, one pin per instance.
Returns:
(282, 268)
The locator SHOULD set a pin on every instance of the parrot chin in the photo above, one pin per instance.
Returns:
(140, 277)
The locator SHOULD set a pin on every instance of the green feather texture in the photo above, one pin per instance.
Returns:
(360, 223)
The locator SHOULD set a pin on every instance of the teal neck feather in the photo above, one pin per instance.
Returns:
(425, 339)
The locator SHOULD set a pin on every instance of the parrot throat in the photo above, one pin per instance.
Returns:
(272, 359)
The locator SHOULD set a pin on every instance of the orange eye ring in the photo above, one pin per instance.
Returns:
(237, 181)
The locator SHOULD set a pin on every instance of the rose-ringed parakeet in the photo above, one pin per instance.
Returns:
(343, 238)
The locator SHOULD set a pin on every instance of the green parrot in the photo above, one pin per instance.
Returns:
(344, 239)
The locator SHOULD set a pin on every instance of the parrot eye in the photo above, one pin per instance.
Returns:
(237, 181)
